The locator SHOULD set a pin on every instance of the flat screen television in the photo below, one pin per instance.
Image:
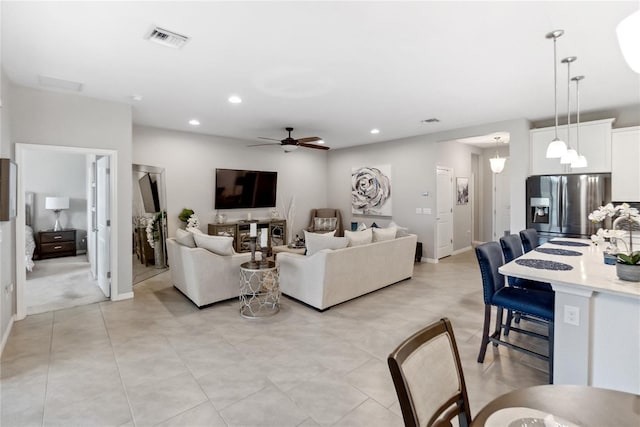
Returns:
(242, 189)
(149, 192)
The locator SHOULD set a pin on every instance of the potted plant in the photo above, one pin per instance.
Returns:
(628, 262)
(185, 214)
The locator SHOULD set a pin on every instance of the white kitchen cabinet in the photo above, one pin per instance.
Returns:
(625, 164)
(595, 145)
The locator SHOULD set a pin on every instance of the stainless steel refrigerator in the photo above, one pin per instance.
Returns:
(559, 205)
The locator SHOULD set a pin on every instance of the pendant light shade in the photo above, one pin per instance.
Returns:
(497, 162)
(580, 161)
(556, 148)
(571, 155)
(628, 31)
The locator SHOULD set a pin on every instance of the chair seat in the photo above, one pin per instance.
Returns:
(530, 284)
(535, 303)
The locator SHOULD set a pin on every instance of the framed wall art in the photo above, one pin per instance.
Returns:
(371, 190)
(462, 191)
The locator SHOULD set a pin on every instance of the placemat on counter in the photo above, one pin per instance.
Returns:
(567, 243)
(544, 264)
(553, 251)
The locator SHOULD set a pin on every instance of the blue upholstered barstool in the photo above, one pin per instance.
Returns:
(512, 249)
(530, 239)
(533, 303)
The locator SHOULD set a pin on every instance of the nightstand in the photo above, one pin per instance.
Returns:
(53, 244)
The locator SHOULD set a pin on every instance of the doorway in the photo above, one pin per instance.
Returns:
(148, 204)
(444, 208)
(79, 222)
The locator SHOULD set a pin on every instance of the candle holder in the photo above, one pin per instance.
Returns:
(252, 247)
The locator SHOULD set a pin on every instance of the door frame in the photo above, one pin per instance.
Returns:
(21, 274)
(435, 234)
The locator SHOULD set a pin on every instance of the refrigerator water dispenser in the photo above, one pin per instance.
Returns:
(539, 210)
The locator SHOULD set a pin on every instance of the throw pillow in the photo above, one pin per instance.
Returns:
(317, 242)
(220, 245)
(400, 231)
(357, 238)
(324, 224)
(382, 234)
(185, 238)
(194, 230)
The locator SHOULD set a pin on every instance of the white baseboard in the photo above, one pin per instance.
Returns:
(460, 251)
(430, 260)
(121, 297)
(5, 336)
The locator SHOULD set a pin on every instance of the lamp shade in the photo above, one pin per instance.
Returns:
(580, 162)
(497, 164)
(556, 149)
(628, 31)
(570, 157)
(56, 203)
(289, 148)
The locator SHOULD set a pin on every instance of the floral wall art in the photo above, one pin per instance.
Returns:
(371, 190)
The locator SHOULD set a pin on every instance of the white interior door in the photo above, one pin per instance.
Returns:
(103, 225)
(444, 218)
(502, 203)
(92, 234)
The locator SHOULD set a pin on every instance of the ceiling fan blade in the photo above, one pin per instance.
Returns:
(270, 139)
(310, 139)
(316, 146)
(262, 145)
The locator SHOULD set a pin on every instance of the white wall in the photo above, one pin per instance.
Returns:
(56, 174)
(190, 161)
(61, 119)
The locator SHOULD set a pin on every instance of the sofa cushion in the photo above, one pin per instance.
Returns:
(400, 231)
(185, 238)
(357, 238)
(382, 234)
(194, 230)
(220, 245)
(316, 242)
(324, 224)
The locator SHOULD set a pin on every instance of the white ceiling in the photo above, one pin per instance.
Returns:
(329, 69)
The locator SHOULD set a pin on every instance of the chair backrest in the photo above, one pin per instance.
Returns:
(428, 378)
(490, 259)
(511, 249)
(327, 213)
(529, 239)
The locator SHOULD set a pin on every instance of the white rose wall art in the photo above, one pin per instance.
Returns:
(371, 190)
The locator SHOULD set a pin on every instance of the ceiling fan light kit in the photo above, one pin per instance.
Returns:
(556, 148)
(290, 144)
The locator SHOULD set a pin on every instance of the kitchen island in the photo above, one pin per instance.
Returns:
(596, 315)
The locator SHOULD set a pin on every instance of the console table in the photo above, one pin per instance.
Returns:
(53, 244)
(276, 230)
(259, 290)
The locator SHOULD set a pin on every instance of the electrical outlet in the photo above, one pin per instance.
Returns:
(572, 315)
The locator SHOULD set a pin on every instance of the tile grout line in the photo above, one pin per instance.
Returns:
(115, 359)
(46, 386)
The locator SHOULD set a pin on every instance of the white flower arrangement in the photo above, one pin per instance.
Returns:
(193, 221)
(624, 213)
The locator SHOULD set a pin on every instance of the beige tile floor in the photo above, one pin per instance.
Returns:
(158, 360)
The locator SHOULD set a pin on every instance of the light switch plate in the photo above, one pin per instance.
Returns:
(572, 315)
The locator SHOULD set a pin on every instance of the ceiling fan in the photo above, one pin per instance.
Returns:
(289, 144)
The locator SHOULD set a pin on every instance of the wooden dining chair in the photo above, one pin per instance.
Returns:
(428, 378)
(530, 239)
(530, 302)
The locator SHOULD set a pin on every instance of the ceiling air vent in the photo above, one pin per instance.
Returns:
(166, 38)
(431, 120)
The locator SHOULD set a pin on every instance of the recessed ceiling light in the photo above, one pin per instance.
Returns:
(194, 122)
(235, 99)
(375, 131)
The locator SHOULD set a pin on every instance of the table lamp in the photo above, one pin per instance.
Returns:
(56, 204)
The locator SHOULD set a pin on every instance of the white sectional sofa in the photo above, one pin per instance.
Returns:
(330, 277)
(203, 276)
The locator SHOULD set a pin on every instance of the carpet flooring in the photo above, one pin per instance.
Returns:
(60, 283)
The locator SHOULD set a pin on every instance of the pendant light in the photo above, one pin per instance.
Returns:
(571, 155)
(497, 162)
(581, 161)
(628, 31)
(556, 148)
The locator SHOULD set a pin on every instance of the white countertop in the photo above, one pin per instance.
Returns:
(589, 270)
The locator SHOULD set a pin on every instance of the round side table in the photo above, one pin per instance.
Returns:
(259, 290)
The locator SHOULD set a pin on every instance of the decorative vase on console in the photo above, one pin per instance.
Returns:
(628, 261)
